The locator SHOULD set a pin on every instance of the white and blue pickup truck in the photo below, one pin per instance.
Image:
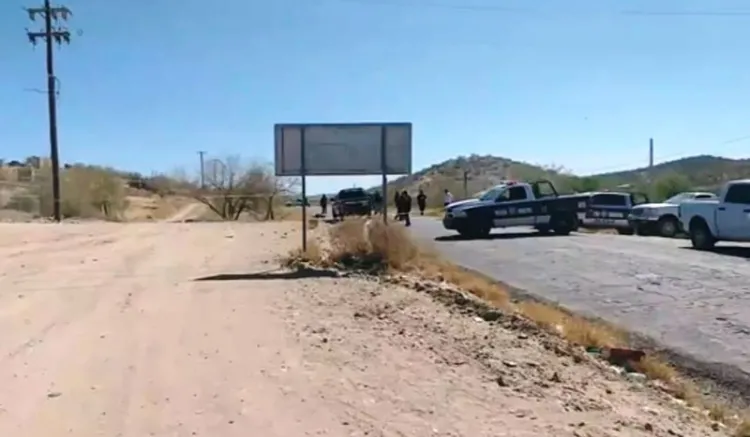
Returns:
(724, 219)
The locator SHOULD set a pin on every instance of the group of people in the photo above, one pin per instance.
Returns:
(402, 200)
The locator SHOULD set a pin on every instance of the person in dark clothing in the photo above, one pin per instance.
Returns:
(406, 207)
(324, 205)
(398, 203)
(421, 201)
(377, 202)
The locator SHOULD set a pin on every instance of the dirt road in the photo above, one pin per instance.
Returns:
(104, 331)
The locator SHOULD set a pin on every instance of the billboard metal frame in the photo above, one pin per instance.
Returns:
(279, 129)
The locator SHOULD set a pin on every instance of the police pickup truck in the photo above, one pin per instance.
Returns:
(609, 210)
(726, 218)
(514, 203)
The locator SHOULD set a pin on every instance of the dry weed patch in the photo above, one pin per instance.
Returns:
(375, 247)
(743, 429)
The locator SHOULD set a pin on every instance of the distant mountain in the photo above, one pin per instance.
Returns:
(696, 172)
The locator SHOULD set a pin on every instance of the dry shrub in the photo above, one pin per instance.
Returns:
(298, 258)
(86, 192)
(743, 429)
(573, 328)
(656, 368)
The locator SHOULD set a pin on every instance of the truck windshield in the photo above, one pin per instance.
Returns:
(493, 192)
(351, 194)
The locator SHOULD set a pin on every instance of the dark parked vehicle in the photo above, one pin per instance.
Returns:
(610, 209)
(351, 201)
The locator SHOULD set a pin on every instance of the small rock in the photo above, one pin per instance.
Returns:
(491, 316)
(54, 394)
(522, 336)
(509, 363)
(637, 377)
(648, 427)
(501, 381)
(715, 426)
(555, 378)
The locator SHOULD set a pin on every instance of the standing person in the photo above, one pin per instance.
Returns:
(377, 202)
(397, 202)
(324, 205)
(421, 201)
(406, 207)
(447, 198)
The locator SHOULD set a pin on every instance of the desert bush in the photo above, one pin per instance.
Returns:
(232, 189)
(23, 202)
(86, 192)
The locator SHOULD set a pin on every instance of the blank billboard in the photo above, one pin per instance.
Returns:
(343, 149)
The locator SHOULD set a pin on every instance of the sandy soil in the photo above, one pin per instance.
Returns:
(104, 331)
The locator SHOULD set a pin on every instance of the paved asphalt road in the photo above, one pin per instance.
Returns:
(693, 302)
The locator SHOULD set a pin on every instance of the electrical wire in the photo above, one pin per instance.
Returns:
(526, 10)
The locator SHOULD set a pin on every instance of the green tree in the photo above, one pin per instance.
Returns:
(669, 185)
(586, 183)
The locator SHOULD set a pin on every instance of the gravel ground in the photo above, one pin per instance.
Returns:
(190, 329)
(695, 303)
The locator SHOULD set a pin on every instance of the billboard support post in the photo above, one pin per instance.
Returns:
(303, 173)
(384, 174)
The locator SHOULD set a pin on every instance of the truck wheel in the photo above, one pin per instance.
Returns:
(473, 233)
(543, 229)
(563, 224)
(667, 227)
(700, 236)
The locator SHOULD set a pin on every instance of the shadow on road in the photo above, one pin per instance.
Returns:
(268, 275)
(503, 236)
(736, 251)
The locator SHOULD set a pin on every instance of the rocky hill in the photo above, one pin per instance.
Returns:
(697, 172)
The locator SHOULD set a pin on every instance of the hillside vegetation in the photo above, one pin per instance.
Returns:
(703, 172)
(233, 190)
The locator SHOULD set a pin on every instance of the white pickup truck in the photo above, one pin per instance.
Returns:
(724, 219)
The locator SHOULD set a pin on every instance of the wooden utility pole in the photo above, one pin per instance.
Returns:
(53, 33)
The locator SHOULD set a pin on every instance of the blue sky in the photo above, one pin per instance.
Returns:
(582, 84)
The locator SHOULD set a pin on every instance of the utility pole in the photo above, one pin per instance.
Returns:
(203, 170)
(51, 35)
(650, 153)
(466, 184)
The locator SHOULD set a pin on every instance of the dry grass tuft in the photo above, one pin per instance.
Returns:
(575, 329)
(743, 429)
(656, 368)
(301, 258)
(718, 413)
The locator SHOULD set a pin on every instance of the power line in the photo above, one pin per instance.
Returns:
(53, 33)
(532, 11)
